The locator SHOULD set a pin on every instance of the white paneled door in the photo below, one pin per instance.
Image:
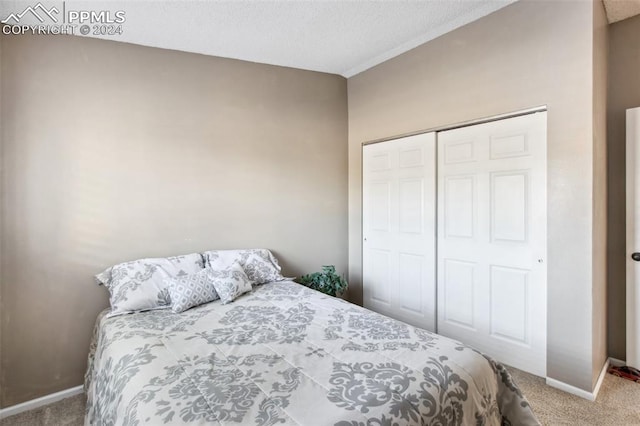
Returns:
(633, 237)
(492, 231)
(399, 229)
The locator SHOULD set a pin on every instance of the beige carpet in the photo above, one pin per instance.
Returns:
(618, 404)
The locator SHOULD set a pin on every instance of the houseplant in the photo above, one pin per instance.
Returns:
(327, 281)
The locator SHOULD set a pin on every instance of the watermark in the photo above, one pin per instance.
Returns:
(60, 19)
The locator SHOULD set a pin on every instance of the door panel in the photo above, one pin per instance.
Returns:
(492, 239)
(411, 205)
(459, 293)
(508, 146)
(410, 273)
(458, 206)
(380, 206)
(509, 289)
(509, 210)
(458, 152)
(380, 276)
(399, 229)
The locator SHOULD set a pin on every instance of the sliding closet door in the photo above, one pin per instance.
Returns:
(492, 217)
(398, 229)
(633, 237)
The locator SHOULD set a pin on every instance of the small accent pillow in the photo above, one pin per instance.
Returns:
(192, 290)
(259, 264)
(140, 285)
(230, 282)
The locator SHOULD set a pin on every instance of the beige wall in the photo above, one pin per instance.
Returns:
(1, 214)
(600, 47)
(624, 93)
(525, 55)
(114, 151)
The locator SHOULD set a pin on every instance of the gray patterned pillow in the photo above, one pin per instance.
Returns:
(192, 290)
(259, 264)
(140, 285)
(230, 282)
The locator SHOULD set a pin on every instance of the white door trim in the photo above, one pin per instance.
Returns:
(542, 108)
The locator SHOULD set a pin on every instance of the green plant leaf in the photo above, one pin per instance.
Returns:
(327, 281)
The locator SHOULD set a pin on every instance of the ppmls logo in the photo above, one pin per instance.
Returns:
(52, 21)
(39, 11)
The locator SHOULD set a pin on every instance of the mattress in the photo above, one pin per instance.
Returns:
(287, 355)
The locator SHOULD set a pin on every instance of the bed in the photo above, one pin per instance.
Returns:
(287, 355)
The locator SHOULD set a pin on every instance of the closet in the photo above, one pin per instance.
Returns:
(454, 235)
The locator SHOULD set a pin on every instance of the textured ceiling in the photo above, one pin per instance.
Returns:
(617, 10)
(339, 37)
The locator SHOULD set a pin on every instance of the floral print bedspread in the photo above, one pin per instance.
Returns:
(287, 355)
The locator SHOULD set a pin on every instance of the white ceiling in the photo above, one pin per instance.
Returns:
(339, 37)
(617, 10)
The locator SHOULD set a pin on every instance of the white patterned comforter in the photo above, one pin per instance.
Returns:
(287, 355)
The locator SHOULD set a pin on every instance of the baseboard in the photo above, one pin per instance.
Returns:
(615, 362)
(570, 389)
(39, 402)
(590, 396)
(603, 373)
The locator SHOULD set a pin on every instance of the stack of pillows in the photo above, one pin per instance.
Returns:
(182, 282)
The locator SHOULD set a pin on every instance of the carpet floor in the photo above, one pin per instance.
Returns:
(617, 404)
(68, 412)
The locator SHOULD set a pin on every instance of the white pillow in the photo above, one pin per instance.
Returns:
(259, 264)
(192, 290)
(140, 285)
(230, 282)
